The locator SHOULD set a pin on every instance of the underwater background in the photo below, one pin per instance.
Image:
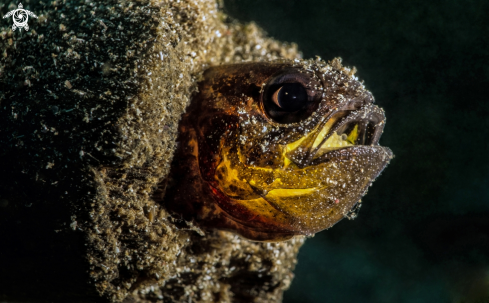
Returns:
(422, 234)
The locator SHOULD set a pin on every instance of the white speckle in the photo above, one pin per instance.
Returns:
(264, 129)
(181, 76)
(149, 74)
(218, 34)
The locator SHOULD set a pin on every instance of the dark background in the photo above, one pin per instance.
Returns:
(422, 234)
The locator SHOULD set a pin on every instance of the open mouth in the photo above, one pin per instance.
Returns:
(360, 131)
(342, 129)
(349, 128)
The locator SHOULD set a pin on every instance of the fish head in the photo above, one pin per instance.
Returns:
(283, 148)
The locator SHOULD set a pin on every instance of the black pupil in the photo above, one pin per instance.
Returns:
(292, 97)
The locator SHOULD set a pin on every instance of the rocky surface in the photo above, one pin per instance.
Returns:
(90, 99)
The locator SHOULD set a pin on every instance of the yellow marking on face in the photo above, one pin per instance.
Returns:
(305, 197)
(352, 137)
(294, 145)
(334, 141)
(293, 192)
(287, 161)
(318, 134)
(324, 132)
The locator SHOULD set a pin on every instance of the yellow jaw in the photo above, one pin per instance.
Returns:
(288, 195)
(334, 141)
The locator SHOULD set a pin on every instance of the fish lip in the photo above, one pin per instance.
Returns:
(347, 153)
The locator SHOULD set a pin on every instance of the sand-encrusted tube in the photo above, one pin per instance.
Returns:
(90, 99)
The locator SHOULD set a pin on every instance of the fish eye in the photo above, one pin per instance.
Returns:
(288, 98)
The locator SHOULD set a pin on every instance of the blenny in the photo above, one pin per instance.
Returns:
(276, 149)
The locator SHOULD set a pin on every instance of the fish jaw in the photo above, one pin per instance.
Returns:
(298, 200)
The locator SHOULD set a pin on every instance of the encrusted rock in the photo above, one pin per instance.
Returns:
(90, 99)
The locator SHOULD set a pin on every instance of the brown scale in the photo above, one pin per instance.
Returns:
(277, 149)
